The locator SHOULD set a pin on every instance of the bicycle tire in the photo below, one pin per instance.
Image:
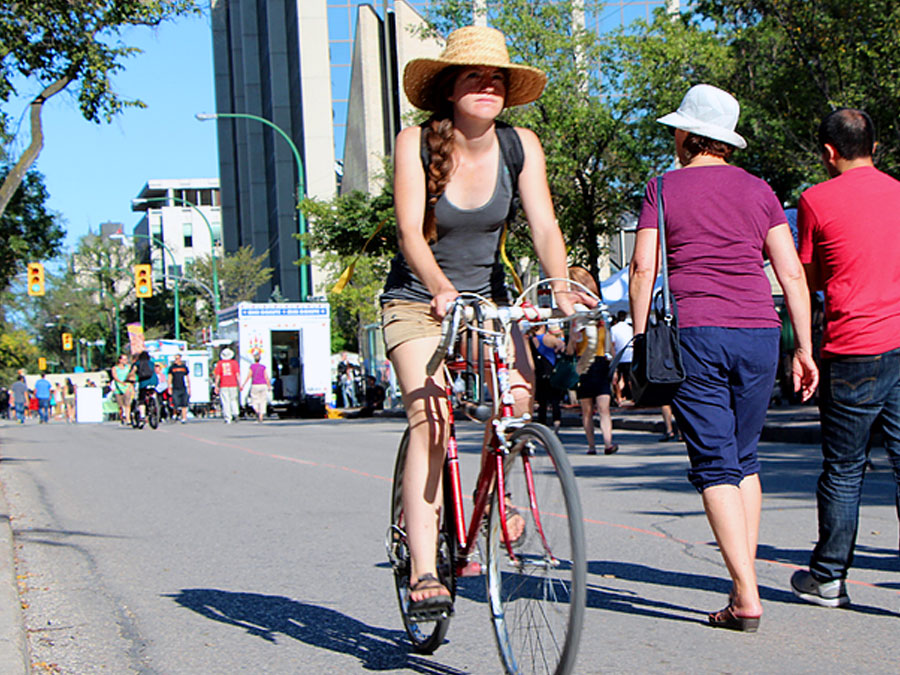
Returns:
(425, 636)
(537, 602)
(152, 412)
(135, 415)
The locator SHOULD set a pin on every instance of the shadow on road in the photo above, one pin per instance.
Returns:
(266, 616)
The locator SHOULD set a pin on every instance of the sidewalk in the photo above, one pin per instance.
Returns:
(788, 424)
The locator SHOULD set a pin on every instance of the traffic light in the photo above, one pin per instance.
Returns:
(42, 363)
(67, 342)
(35, 279)
(143, 281)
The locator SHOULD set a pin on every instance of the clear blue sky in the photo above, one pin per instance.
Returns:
(93, 171)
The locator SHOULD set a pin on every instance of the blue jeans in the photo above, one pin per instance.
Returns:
(721, 405)
(20, 412)
(44, 409)
(854, 392)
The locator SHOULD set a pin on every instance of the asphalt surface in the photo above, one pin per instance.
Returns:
(206, 548)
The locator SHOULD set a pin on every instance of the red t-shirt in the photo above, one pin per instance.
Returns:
(228, 373)
(850, 228)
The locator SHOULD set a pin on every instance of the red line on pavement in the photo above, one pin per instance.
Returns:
(591, 521)
(283, 458)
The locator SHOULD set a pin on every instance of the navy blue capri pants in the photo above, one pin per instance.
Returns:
(721, 406)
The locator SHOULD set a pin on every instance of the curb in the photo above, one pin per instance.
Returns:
(13, 645)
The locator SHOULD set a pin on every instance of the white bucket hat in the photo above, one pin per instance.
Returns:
(226, 354)
(708, 111)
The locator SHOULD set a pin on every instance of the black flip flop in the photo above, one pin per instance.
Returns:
(726, 618)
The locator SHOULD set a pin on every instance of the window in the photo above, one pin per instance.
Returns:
(188, 235)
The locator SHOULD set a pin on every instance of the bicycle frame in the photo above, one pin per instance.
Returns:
(494, 451)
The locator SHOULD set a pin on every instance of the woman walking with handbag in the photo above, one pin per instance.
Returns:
(719, 220)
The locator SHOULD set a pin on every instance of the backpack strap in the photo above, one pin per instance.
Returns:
(511, 151)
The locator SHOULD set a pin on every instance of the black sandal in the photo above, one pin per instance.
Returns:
(433, 608)
(726, 618)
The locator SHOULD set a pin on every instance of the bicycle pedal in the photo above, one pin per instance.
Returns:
(472, 568)
(430, 615)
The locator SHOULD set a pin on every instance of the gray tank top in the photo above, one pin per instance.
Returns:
(467, 248)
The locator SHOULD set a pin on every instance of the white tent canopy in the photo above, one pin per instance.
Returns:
(615, 291)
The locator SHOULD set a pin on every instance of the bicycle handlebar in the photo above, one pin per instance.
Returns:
(464, 308)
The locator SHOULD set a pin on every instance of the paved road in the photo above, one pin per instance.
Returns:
(206, 548)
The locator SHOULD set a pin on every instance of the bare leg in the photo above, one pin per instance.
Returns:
(587, 421)
(426, 410)
(605, 419)
(724, 506)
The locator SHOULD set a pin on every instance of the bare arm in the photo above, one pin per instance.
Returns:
(642, 276)
(789, 271)
(545, 233)
(409, 206)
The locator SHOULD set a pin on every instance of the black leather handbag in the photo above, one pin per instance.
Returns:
(656, 367)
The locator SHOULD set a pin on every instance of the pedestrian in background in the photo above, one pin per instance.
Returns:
(226, 376)
(69, 398)
(719, 220)
(546, 343)
(20, 398)
(259, 387)
(42, 394)
(178, 378)
(849, 229)
(594, 390)
(123, 390)
(621, 333)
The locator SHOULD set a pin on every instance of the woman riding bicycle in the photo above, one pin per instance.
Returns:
(449, 223)
(145, 374)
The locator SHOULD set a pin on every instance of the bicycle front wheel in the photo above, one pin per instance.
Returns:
(537, 594)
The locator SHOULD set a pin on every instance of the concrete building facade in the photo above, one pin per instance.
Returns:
(168, 217)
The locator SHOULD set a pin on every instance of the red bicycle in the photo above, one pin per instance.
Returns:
(535, 582)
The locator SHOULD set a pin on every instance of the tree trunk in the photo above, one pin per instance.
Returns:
(17, 174)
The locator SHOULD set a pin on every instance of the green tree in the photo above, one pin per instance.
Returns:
(795, 61)
(339, 230)
(28, 230)
(240, 275)
(54, 44)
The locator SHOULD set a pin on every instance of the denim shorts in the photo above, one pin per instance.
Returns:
(721, 406)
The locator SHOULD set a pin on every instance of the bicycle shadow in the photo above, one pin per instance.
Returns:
(597, 597)
(268, 616)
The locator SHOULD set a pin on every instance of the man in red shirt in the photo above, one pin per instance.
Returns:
(849, 230)
(226, 376)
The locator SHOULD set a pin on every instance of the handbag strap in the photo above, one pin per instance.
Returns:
(661, 220)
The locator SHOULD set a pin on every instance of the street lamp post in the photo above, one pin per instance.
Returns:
(212, 240)
(305, 280)
(174, 264)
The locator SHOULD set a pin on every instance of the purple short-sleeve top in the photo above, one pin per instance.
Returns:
(717, 220)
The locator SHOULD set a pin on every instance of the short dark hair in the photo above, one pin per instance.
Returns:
(695, 144)
(851, 132)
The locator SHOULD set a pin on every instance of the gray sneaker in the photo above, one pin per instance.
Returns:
(827, 594)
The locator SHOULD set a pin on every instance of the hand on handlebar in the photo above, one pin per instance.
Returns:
(440, 301)
(566, 301)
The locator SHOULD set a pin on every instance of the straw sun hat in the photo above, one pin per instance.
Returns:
(472, 46)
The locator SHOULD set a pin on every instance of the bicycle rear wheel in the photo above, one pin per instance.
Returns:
(426, 636)
(537, 596)
(152, 412)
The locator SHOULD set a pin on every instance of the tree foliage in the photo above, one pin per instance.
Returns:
(53, 44)
(28, 230)
(339, 229)
(240, 275)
